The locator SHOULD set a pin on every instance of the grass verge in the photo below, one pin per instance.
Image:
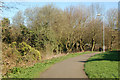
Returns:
(104, 65)
(34, 71)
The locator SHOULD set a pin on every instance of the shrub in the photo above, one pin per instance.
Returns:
(24, 48)
(27, 50)
(36, 53)
(20, 55)
(15, 70)
(13, 45)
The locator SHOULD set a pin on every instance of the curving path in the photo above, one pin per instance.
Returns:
(69, 68)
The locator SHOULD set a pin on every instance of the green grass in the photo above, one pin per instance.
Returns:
(104, 65)
(34, 71)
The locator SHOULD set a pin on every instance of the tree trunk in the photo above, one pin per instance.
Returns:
(72, 46)
(93, 44)
(111, 45)
(52, 50)
(67, 47)
(77, 44)
(81, 46)
(57, 49)
(60, 49)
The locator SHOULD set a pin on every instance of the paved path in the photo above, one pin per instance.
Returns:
(69, 68)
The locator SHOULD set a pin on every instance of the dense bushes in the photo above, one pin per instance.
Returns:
(51, 30)
(19, 55)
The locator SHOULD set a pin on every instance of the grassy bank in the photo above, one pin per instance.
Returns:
(104, 65)
(34, 71)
